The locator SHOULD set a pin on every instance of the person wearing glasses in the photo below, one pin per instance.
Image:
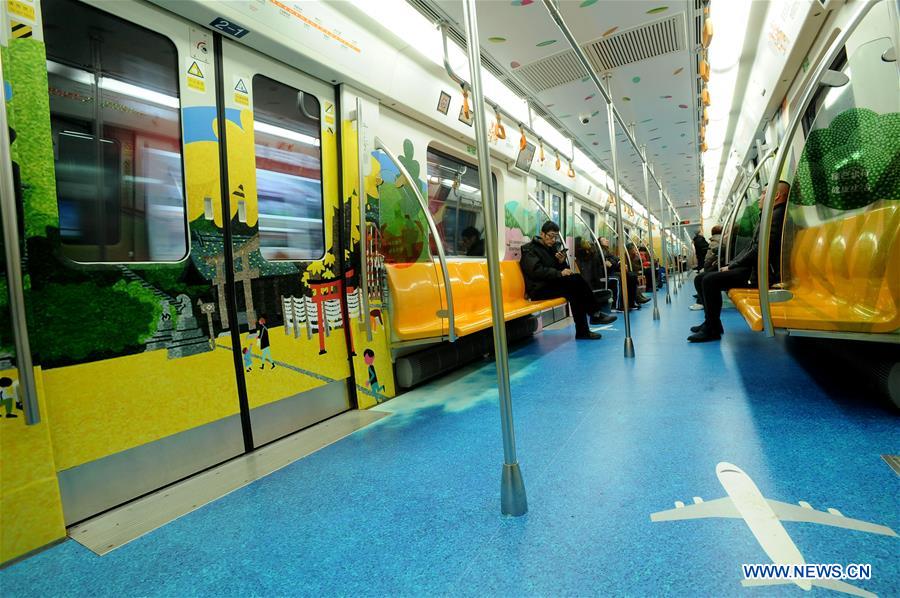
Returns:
(548, 276)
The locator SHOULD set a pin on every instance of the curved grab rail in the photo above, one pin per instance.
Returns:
(363, 237)
(732, 216)
(14, 271)
(765, 221)
(448, 291)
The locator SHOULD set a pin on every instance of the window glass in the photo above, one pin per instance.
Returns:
(287, 137)
(589, 218)
(556, 206)
(454, 200)
(116, 129)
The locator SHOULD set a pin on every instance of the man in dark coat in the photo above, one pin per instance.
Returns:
(741, 271)
(701, 246)
(547, 276)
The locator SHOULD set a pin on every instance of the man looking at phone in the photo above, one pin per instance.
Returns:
(547, 276)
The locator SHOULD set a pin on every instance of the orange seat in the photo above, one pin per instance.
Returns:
(417, 298)
(844, 276)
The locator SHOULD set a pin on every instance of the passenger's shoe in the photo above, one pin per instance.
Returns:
(704, 337)
(702, 327)
(696, 307)
(642, 300)
(602, 319)
(591, 336)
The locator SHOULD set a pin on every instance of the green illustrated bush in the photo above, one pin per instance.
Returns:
(852, 163)
(70, 322)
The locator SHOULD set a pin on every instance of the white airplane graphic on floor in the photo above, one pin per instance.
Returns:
(764, 516)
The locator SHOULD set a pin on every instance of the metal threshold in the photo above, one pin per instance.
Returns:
(119, 526)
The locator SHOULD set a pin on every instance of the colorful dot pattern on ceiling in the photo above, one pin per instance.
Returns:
(522, 2)
(590, 97)
(544, 43)
(626, 99)
(587, 3)
(497, 39)
(609, 32)
(678, 71)
(655, 11)
(665, 97)
(514, 64)
(683, 106)
(635, 79)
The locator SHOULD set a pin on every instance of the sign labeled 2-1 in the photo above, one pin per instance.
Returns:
(229, 27)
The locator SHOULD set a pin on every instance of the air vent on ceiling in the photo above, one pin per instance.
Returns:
(637, 44)
(604, 54)
(552, 71)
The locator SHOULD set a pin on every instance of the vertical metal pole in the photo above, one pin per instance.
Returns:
(664, 242)
(512, 488)
(14, 272)
(650, 231)
(676, 245)
(629, 342)
(361, 157)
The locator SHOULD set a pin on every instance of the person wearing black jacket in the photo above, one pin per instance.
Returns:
(701, 246)
(741, 271)
(547, 276)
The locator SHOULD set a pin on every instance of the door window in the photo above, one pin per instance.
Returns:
(116, 124)
(288, 171)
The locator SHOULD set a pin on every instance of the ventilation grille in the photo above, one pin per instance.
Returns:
(552, 71)
(635, 45)
(605, 54)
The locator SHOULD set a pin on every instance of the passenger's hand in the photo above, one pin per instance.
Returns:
(566, 272)
(723, 269)
(608, 264)
(560, 257)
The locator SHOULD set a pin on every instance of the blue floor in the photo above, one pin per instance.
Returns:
(410, 505)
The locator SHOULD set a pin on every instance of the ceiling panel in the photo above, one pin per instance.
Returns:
(658, 94)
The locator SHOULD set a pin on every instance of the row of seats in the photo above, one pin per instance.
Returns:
(418, 303)
(844, 276)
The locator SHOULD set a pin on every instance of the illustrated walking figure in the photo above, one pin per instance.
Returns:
(9, 395)
(372, 381)
(248, 358)
(262, 340)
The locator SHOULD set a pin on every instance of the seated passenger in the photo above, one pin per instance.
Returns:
(741, 271)
(711, 264)
(636, 264)
(613, 267)
(472, 242)
(590, 266)
(548, 276)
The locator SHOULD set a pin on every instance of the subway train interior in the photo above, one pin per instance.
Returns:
(450, 297)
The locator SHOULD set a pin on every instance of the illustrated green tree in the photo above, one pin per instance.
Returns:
(71, 322)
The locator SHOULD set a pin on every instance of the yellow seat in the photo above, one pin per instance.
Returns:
(417, 297)
(844, 277)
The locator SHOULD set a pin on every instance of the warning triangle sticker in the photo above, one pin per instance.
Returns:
(240, 86)
(195, 70)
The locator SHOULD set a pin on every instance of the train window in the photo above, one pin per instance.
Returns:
(809, 117)
(116, 129)
(589, 218)
(454, 199)
(288, 171)
(556, 206)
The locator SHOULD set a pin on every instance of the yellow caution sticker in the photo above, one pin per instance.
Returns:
(20, 30)
(241, 90)
(194, 70)
(195, 79)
